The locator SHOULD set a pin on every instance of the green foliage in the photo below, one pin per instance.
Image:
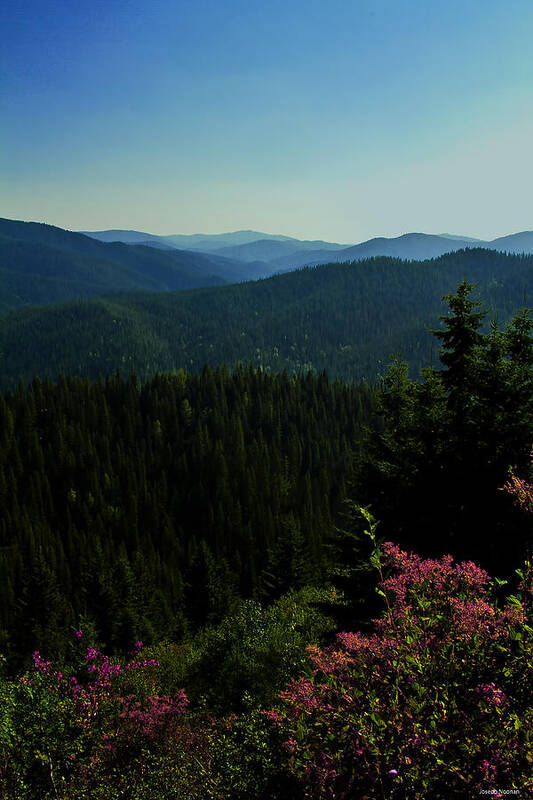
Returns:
(40, 738)
(249, 760)
(250, 656)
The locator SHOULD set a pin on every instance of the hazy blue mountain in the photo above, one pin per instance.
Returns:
(248, 255)
(124, 236)
(196, 241)
(475, 242)
(45, 264)
(417, 246)
(133, 237)
(249, 247)
(159, 244)
(263, 249)
(271, 249)
(214, 241)
(225, 244)
(410, 246)
(515, 243)
(285, 252)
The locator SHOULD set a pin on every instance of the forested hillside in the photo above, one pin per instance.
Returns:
(346, 318)
(149, 510)
(43, 264)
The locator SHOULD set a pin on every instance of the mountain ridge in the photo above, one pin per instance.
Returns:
(347, 318)
(284, 252)
(42, 263)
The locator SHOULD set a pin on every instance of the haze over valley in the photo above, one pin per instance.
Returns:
(284, 252)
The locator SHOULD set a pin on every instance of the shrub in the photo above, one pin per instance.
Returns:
(435, 703)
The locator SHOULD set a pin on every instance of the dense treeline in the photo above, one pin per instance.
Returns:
(346, 318)
(434, 471)
(147, 510)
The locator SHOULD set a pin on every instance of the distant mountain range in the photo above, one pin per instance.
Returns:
(198, 241)
(42, 264)
(276, 253)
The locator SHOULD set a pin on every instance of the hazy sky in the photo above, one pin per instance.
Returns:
(313, 118)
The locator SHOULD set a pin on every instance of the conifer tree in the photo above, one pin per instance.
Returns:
(432, 472)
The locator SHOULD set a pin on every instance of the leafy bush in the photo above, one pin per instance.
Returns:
(435, 703)
(255, 651)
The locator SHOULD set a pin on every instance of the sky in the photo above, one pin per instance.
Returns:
(319, 119)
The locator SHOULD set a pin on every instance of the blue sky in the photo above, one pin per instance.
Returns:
(334, 120)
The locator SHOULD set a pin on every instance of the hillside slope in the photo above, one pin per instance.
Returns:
(412, 246)
(44, 264)
(347, 319)
(283, 253)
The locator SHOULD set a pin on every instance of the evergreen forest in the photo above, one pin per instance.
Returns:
(344, 318)
(223, 579)
(149, 510)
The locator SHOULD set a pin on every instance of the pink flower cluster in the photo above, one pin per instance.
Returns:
(101, 694)
(417, 694)
(152, 715)
(438, 575)
(491, 695)
(302, 695)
